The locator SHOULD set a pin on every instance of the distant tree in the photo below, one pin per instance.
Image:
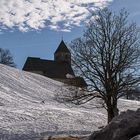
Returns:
(106, 56)
(133, 94)
(6, 58)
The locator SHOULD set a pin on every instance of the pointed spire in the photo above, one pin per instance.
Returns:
(62, 53)
(62, 48)
(62, 37)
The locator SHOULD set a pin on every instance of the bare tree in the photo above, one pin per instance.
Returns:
(6, 58)
(107, 56)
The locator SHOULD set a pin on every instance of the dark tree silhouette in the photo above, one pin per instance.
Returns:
(107, 56)
(6, 58)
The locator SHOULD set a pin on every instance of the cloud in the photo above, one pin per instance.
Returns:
(60, 15)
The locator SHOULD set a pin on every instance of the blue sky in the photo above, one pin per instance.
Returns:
(35, 27)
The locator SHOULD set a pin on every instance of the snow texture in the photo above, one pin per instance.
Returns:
(29, 110)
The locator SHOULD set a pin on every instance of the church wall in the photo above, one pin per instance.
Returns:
(38, 72)
(73, 81)
(62, 57)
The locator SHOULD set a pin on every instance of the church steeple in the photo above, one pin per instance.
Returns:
(62, 53)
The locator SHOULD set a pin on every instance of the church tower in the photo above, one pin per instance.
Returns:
(62, 53)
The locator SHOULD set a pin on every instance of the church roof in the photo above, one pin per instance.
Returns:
(62, 48)
(52, 69)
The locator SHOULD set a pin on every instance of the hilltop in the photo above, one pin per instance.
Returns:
(28, 108)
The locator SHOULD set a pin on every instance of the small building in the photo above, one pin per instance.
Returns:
(58, 69)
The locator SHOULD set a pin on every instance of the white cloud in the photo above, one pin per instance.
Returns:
(54, 14)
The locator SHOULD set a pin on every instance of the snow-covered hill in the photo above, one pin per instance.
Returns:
(28, 108)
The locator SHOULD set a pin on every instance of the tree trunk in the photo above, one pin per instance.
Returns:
(110, 114)
(112, 109)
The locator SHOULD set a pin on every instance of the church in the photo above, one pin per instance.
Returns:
(59, 69)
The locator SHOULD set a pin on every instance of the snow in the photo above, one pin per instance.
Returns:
(28, 108)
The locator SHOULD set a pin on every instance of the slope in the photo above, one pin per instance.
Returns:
(28, 108)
